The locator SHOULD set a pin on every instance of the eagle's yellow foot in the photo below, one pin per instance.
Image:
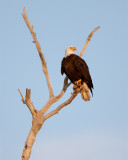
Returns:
(74, 88)
(77, 84)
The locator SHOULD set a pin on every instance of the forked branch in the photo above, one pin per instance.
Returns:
(28, 102)
(62, 105)
(55, 98)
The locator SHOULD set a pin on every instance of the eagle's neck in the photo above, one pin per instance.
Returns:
(68, 53)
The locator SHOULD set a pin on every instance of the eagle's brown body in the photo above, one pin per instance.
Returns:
(76, 68)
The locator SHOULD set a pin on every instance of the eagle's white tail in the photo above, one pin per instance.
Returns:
(85, 92)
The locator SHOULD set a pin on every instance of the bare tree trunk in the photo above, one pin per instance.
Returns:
(39, 117)
(28, 144)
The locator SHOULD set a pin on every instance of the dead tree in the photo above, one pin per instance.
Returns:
(40, 116)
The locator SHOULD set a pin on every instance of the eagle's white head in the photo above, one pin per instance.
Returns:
(70, 50)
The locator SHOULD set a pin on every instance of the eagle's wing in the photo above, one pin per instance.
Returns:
(83, 71)
(62, 66)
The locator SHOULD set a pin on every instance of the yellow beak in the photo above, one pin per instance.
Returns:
(74, 48)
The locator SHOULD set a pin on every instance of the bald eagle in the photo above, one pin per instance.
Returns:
(77, 71)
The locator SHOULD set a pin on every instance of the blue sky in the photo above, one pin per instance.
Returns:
(83, 130)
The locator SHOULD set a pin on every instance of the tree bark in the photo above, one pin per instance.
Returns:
(36, 126)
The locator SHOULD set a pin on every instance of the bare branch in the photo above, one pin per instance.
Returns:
(28, 102)
(62, 105)
(22, 98)
(55, 98)
(45, 70)
(87, 41)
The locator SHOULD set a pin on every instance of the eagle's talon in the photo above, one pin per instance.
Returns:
(74, 88)
(79, 82)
